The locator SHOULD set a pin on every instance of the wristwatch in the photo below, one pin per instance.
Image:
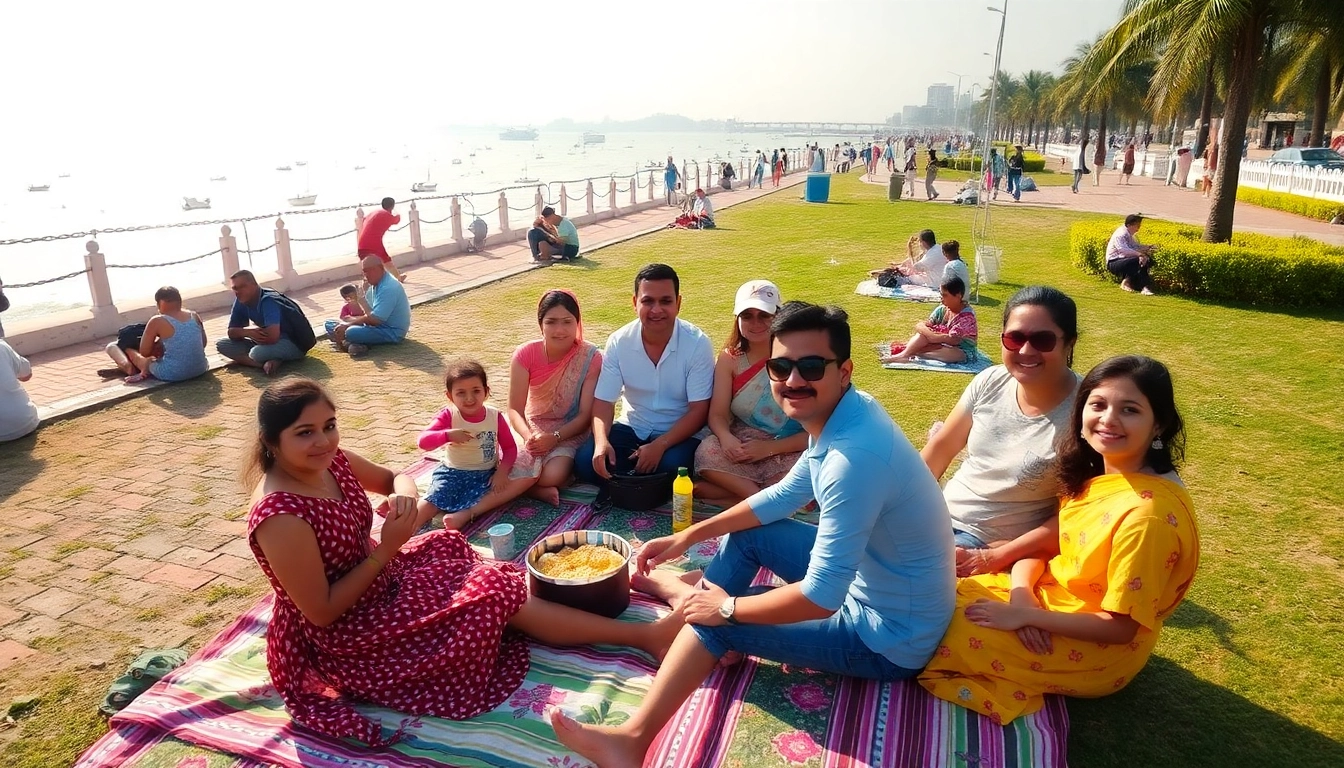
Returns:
(726, 609)
(556, 435)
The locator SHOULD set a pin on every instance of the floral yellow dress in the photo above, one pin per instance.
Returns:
(1129, 545)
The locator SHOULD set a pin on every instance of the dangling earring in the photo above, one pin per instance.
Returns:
(267, 453)
(1157, 444)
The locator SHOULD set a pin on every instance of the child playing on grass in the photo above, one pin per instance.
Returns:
(948, 335)
(479, 452)
(351, 306)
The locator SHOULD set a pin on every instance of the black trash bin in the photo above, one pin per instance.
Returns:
(894, 187)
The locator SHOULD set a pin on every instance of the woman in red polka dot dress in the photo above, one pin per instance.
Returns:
(431, 629)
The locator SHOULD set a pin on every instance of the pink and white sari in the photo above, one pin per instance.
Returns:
(553, 391)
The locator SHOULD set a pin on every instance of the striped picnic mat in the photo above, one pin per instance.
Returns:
(219, 710)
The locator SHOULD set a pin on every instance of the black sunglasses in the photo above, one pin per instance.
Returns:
(811, 368)
(1041, 341)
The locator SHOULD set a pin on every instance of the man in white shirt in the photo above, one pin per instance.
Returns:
(927, 269)
(662, 370)
(703, 210)
(18, 415)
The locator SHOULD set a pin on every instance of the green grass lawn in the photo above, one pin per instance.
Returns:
(1248, 669)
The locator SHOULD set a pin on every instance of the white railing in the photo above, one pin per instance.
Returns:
(1317, 183)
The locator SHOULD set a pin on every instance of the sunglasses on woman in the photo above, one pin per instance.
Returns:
(811, 368)
(1041, 341)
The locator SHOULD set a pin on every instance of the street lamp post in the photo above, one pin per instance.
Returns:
(985, 167)
(956, 99)
(970, 113)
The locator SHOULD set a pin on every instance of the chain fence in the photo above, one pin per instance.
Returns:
(166, 263)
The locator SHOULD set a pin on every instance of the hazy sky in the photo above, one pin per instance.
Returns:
(135, 68)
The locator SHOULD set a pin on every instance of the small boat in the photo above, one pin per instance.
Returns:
(300, 162)
(359, 167)
(192, 204)
(63, 176)
(473, 154)
(458, 160)
(426, 185)
(38, 187)
(487, 146)
(219, 178)
(283, 168)
(302, 200)
(593, 137)
(518, 134)
(541, 157)
(526, 180)
(655, 164)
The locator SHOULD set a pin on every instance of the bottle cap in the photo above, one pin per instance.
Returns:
(682, 472)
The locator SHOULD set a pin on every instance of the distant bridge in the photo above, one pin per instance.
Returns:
(807, 127)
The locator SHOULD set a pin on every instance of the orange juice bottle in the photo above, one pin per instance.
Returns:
(681, 500)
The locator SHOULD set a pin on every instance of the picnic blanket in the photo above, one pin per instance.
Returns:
(219, 710)
(901, 292)
(971, 365)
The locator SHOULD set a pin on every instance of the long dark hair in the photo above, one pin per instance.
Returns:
(279, 406)
(1080, 462)
(557, 298)
(1063, 310)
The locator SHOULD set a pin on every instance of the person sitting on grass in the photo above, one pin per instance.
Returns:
(1124, 553)
(954, 267)
(256, 336)
(385, 312)
(18, 415)
(478, 452)
(702, 210)
(350, 295)
(183, 338)
(1128, 260)
(869, 590)
(753, 444)
(552, 237)
(948, 335)
(421, 627)
(926, 270)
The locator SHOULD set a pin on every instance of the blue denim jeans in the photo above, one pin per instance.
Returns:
(368, 335)
(284, 349)
(828, 645)
(967, 540)
(624, 441)
(1015, 184)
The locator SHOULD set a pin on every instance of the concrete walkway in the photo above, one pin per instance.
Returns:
(64, 380)
(1149, 197)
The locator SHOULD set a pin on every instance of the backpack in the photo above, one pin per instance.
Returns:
(293, 323)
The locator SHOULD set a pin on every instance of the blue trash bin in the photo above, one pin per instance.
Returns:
(818, 188)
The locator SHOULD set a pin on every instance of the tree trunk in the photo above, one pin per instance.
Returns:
(1205, 112)
(1031, 130)
(1236, 111)
(1099, 152)
(1320, 105)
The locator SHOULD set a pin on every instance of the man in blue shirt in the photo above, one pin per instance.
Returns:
(661, 368)
(256, 338)
(385, 312)
(870, 590)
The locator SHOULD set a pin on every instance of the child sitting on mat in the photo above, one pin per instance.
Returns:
(948, 335)
(479, 452)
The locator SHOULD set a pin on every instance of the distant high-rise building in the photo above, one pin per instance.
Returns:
(940, 96)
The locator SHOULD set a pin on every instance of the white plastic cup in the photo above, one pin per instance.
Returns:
(501, 541)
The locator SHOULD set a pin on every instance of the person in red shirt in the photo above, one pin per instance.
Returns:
(371, 237)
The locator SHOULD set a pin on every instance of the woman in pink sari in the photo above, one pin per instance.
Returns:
(551, 387)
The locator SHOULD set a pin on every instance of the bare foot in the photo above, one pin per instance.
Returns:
(456, 521)
(730, 658)
(607, 747)
(270, 367)
(549, 494)
(669, 587)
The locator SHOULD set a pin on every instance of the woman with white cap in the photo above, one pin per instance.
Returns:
(754, 444)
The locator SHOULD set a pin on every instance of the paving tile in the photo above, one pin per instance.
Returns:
(191, 557)
(132, 566)
(12, 653)
(92, 558)
(99, 614)
(33, 627)
(238, 548)
(179, 576)
(16, 589)
(18, 540)
(54, 602)
(8, 615)
(133, 594)
(231, 565)
(33, 520)
(156, 544)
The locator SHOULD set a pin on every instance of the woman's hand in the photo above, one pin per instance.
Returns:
(460, 436)
(1035, 639)
(660, 550)
(756, 450)
(399, 523)
(996, 615)
(972, 562)
(702, 608)
(732, 448)
(499, 479)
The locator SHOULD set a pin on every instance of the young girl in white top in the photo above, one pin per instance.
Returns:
(478, 452)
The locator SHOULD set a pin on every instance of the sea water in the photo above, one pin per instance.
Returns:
(144, 183)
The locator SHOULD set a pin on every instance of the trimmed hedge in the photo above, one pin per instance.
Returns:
(1031, 163)
(1252, 269)
(1321, 210)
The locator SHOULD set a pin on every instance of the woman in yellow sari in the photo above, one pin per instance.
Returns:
(551, 385)
(1085, 623)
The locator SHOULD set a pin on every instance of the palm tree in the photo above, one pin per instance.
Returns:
(1185, 32)
(1035, 84)
(1310, 72)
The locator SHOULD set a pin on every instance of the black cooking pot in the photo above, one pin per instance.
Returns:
(638, 493)
(607, 595)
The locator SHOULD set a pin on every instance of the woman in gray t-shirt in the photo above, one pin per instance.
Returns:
(1008, 420)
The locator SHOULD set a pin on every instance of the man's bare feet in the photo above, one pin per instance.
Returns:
(608, 747)
(270, 367)
(667, 586)
(549, 494)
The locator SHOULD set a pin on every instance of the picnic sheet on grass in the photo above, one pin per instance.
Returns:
(219, 710)
(972, 365)
(902, 292)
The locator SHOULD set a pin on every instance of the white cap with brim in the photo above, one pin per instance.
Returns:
(757, 294)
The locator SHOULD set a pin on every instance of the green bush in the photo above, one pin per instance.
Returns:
(1321, 210)
(1031, 163)
(1253, 269)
